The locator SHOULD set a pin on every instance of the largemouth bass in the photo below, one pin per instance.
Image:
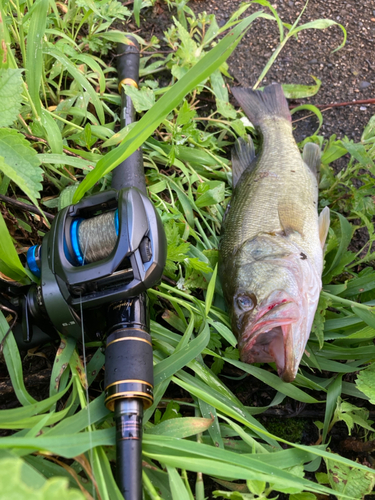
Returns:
(271, 251)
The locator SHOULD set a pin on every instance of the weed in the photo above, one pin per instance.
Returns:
(60, 139)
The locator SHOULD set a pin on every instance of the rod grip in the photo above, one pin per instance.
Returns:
(129, 367)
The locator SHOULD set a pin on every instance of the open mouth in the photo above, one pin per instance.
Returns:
(266, 347)
(270, 317)
(270, 339)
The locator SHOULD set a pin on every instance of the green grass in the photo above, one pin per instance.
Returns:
(61, 107)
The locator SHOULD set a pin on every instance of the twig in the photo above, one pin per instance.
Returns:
(338, 104)
(39, 139)
(75, 476)
(25, 207)
(144, 51)
(4, 308)
(212, 120)
(308, 116)
(168, 280)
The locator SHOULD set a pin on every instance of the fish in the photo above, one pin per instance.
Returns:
(272, 238)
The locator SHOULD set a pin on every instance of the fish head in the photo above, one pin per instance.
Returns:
(272, 304)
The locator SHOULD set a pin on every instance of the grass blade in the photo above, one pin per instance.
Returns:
(210, 291)
(68, 445)
(34, 52)
(152, 119)
(274, 381)
(9, 256)
(178, 489)
(14, 364)
(334, 391)
(136, 11)
(81, 79)
(182, 357)
(322, 24)
(296, 91)
(181, 427)
(199, 457)
(313, 109)
(63, 355)
(52, 132)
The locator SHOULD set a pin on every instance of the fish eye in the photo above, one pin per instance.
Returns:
(246, 302)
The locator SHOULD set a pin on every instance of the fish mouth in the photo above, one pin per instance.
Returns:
(269, 339)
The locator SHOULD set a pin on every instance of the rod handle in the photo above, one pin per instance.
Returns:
(128, 367)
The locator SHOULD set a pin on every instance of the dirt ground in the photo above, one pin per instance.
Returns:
(347, 75)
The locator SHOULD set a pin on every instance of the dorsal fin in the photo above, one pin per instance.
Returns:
(323, 222)
(311, 156)
(243, 153)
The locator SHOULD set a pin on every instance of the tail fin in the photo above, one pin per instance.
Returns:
(258, 105)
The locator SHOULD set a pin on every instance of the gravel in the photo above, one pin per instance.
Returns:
(347, 75)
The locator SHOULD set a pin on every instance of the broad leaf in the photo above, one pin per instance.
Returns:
(366, 382)
(348, 481)
(210, 193)
(10, 95)
(142, 99)
(20, 163)
(15, 487)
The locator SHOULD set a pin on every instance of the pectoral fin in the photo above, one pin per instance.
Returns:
(243, 154)
(290, 217)
(311, 156)
(323, 222)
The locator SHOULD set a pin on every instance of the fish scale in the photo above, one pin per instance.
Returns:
(271, 257)
(264, 186)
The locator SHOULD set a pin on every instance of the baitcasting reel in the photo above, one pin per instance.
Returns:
(89, 260)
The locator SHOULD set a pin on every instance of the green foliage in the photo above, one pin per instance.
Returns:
(171, 411)
(142, 99)
(56, 89)
(10, 263)
(20, 162)
(341, 191)
(15, 486)
(10, 95)
(351, 415)
(347, 481)
(319, 319)
(366, 382)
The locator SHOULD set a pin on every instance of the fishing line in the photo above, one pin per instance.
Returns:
(98, 235)
(91, 453)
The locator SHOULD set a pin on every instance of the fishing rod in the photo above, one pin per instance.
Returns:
(95, 266)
